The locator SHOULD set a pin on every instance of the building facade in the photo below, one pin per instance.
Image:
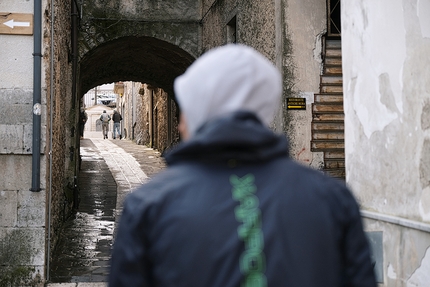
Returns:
(356, 71)
(385, 47)
(38, 135)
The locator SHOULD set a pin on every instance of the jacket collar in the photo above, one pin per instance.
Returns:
(238, 136)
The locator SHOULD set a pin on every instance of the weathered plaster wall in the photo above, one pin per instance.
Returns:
(149, 124)
(160, 120)
(406, 253)
(129, 107)
(255, 24)
(305, 24)
(64, 130)
(387, 94)
(289, 34)
(386, 48)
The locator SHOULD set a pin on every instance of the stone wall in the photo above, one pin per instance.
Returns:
(139, 40)
(64, 112)
(255, 24)
(129, 105)
(289, 34)
(151, 123)
(22, 212)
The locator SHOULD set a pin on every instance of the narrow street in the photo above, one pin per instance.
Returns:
(110, 170)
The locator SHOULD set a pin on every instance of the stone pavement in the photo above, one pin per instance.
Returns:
(110, 170)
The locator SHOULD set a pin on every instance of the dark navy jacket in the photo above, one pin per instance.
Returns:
(232, 206)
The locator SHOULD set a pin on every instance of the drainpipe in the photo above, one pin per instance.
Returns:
(37, 59)
(74, 50)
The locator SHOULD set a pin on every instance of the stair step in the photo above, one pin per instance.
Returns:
(333, 53)
(331, 89)
(328, 117)
(336, 173)
(333, 70)
(331, 80)
(333, 135)
(334, 155)
(328, 126)
(333, 61)
(326, 145)
(328, 99)
(334, 164)
(327, 108)
(329, 43)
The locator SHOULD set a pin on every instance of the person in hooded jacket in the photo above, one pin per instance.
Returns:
(117, 118)
(232, 208)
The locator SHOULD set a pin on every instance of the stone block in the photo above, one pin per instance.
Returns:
(8, 208)
(17, 61)
(31, 209)
(16, 172)
(28, 139)
(97, 284)
(16, 97)
(16, 114)
(11, 138)
(13, 5)
(23, 246)
(27, 144)
(16, 124)
(28, 135)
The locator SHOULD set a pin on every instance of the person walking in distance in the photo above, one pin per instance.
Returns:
(83, 117)
(232, 208)
(116, 117)
(105, 119)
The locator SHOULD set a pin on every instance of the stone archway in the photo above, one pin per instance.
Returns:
(143, 60)
(140, 59)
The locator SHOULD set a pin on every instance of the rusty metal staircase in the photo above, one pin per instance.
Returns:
(327, 112)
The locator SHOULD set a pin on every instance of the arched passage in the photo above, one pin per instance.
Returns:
(140, 59)
(143, 60)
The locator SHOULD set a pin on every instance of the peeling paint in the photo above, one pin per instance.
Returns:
(423, 7)
(421, 276)
(379, 72)
(374, 118)
(425, 165)
(318, 48)
(387, 127)
(425, 116)
(309, 96)
(424, 205)
(386, 92)
(391, 273)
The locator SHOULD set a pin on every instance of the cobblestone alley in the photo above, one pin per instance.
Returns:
(110, 170)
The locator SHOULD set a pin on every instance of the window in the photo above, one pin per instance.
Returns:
(231, 31)
(333, 18)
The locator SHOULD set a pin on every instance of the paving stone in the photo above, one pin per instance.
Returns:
(110, 170)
